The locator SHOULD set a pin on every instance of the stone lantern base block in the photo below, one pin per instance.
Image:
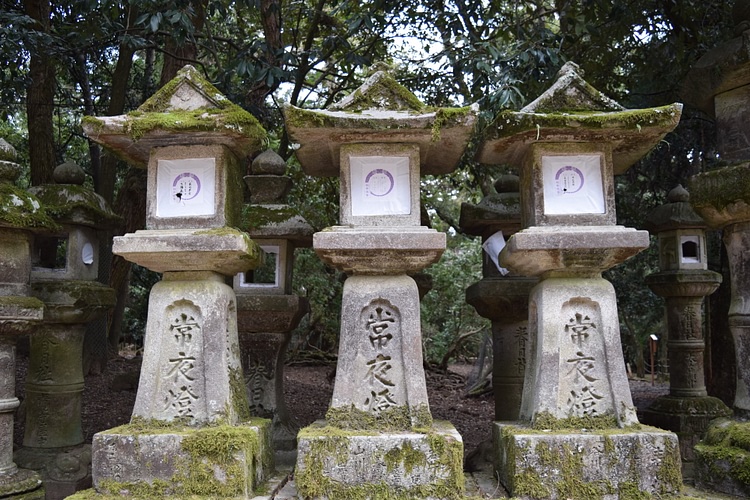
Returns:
(607, 464)
(216, 461)
(333, 463)
(722, 459)
(688, 418)
(22, 483)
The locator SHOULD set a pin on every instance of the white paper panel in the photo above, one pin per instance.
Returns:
(380, 185)
(493, 246)
(573, 185)
(186, 187)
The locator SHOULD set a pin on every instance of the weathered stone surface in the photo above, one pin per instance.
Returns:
(381, 111)
(270, 313)
(219, 462)
(340, 465)
(267, 188)
(580, 463)
(268, 163)
(722, 196)
(73, 301)
(22, 485)
(501, 299)
(225, 250)
(575, 362)
(76, 204)
(187, 110)
(380, 369)
(81, 263)
(379, 251)
(191, 368)
(539, 250)
(277, 221)
(723, 458)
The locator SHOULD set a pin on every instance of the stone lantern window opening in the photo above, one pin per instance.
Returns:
(682, 249)
(50, 252)
(690, 246)
(266, 274)
(380, 185)
(274, 275)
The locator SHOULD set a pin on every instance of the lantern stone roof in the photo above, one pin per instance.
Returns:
(70, 202)
(380, 111)
(187, 110)
(571, 110)
(677, 213)
(500, 211)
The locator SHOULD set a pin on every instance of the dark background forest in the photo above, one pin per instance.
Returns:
(61, 60)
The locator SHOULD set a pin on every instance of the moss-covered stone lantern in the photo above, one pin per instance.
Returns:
(567, 145)
(21, 213)
(63, 276)
(192, 140)
(379, 141)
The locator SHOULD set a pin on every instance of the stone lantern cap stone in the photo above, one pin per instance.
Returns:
(500, 211)
(186, 111)
(722, 196)
(380, 111)
(69, 202)
(574, 111)
(677, 213)
(277, 221)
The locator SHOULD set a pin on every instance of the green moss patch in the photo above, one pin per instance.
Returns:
(721, 188)
(21, 209)
(397, 418)
(724, 455)
(546, 421)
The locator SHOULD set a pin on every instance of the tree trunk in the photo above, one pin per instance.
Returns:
(177, 55)
(40, 103)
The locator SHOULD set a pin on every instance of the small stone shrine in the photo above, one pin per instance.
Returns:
(267, 310)
(719, 85)
(191, 431)
(577, 436)
(498, 297)
(379, 439)
(683, 280)
(63, 276)
(20, 313)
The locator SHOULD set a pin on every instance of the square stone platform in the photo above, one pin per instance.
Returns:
(333, 463)
(607, 464)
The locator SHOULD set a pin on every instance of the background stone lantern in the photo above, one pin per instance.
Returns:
(20, 313)
(192, 140)
(63, 276)
(568, 144)
(267, 310)
(684, 280)
(379, 140)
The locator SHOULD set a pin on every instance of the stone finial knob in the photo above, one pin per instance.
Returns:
(69, 173)
(268, 163)
(507, 184)
(678, 194)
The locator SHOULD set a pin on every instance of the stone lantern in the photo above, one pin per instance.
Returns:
(20, 313)
(504, 299)
(567, 145)
(63, 276)
(267, 310)
(379, 141)
(192, 141)
(684, 280)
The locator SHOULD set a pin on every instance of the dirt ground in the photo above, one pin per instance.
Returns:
(108, 398)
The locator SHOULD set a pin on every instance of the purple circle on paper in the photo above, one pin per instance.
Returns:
(379, 182)
(569, 180)
(187, 185)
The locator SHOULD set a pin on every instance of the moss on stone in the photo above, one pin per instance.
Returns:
(384, 93)
(65, 202)
(406, 456)
(546, 421)
(396, 418)
(629, 490)
(239, 394)
(718, 189)
(670, 470)
(724, 452)
(255, 217)
(20, 209)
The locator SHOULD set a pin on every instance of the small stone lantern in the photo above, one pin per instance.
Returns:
(567, 145)
(192, 141)
(20, 313)
(379, 141)
(267, 310)
(63, 276)
(684, 280)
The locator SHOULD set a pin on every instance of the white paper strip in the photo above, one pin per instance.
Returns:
(493, 246)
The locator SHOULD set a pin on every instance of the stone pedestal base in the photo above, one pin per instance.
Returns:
(22, 484)
(723, 457)
(337, 464)
(606, 464)
(216, 461)
(64, 470)
(688, 418)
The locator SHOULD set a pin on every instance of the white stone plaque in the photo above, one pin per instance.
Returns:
(573, 185)
(380, 185)
(186, 187)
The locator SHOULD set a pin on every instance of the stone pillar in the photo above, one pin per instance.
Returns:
(20, 313)
(683, 281)
(64, 272)
(191, 431)
(379, 438)
(267, 311)
(502, 299)
(575, 385)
